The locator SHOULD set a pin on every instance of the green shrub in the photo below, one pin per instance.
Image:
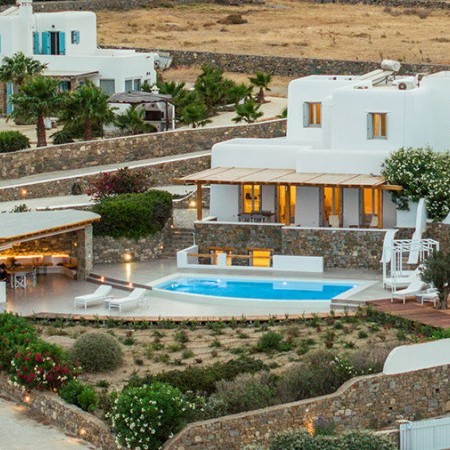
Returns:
(204, 379)
(77, 393)
(62, 137)
(42, 366)
(97, 352)
(245, 393)
(145, 417)
(133, 215)
(301, 440)
(11, 141)
(15, 332)
(272, 341)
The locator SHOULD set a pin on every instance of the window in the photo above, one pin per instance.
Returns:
(75, 37)
(332, 207)
(370, 206)
(377, 126)
(251, 198)
(53, 43)
(153, 116)
(282, 200)
(108, 86)
(137, 84)
(312, 114)
(128, 85)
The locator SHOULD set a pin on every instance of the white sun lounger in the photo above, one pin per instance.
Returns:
(403, 280)
(132, 300)
(96, 298)
(414, 288)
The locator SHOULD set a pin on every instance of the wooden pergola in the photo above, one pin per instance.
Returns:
(287, 178)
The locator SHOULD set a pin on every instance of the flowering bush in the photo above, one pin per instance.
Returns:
(423, 173)
(145, 417)
(15, 332)
(123, 181)
(42, 366)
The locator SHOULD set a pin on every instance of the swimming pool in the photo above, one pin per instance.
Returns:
(251, 289)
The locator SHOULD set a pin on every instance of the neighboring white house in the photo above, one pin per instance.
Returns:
(67, 43)
(326, 171)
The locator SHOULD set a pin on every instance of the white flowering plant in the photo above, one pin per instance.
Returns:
(145, 417)
(423, 173)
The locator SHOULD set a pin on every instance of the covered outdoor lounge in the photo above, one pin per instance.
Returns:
(286, 196)
(45, 242)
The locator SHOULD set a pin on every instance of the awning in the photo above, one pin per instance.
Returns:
(69, 74)
(233, 175)
(139, 97)
(25, 226)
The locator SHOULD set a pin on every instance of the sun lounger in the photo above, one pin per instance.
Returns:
(414, 288)
(403, 279)
(132, 300)
(96, 298)
(430, 295)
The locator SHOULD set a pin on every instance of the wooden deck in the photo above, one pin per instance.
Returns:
(412, 310)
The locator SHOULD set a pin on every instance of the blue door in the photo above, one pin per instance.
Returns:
(9, 91)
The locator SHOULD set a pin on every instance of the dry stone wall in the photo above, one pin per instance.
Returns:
(370, 402)
(67, 417)
(124, 149)
(160, 174)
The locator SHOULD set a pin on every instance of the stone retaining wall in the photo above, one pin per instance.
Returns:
(108, 250)
(370, 402)
(119, 150)
(284, 66)
(67, 417)
(344, 248)
(160, 174)
(439, 232)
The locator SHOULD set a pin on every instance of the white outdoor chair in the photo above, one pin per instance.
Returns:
(414, 288)
(430, 295)
(132, 300)
(403, 279)
(96, 298)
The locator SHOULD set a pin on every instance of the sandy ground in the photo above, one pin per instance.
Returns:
(286, 28)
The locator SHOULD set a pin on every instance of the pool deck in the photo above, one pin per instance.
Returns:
(54, 294)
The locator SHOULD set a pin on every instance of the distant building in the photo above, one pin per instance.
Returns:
(67, 43)
(326, 171)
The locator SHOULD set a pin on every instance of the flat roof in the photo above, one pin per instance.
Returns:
(19, 226)
(235, 175)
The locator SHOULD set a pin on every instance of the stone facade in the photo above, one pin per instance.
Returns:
(340, 248)
(161, 174)
(284, 66)
(71, 419)
(370, 402)
(439, 232)
(110, 250)
(132, 148)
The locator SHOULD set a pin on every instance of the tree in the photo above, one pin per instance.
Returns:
(88, 107)
(247, 112)
(195, 114)
(17, 68)
(132, 122)
(261, 80)
(38, 98)
(437, 273)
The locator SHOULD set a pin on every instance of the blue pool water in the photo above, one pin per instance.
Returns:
(255, 289)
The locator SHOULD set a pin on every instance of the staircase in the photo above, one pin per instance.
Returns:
(179, 239)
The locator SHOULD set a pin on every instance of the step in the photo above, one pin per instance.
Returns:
(116, 283)
(346, 304)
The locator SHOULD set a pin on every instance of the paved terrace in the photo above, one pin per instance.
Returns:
(54, 293)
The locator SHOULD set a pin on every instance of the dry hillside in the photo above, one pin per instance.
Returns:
(288, 28)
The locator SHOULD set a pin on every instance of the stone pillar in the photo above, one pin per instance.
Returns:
(84, 252)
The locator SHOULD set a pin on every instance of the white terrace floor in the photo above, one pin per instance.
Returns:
(55, 293)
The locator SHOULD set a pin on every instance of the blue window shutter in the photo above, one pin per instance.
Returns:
(36, 49)
(306, 122)
(9, 91)
(370, 126)
(77, 37)
(46, 43)
(62, 43)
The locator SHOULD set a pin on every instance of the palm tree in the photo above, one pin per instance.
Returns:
(247, 112)
(38, 98)
(195, 114)
(132, 122)
(88, 107)
(17, 68)
(261, 80)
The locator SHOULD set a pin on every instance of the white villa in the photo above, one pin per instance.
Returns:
(67, 43)
(326, 171)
